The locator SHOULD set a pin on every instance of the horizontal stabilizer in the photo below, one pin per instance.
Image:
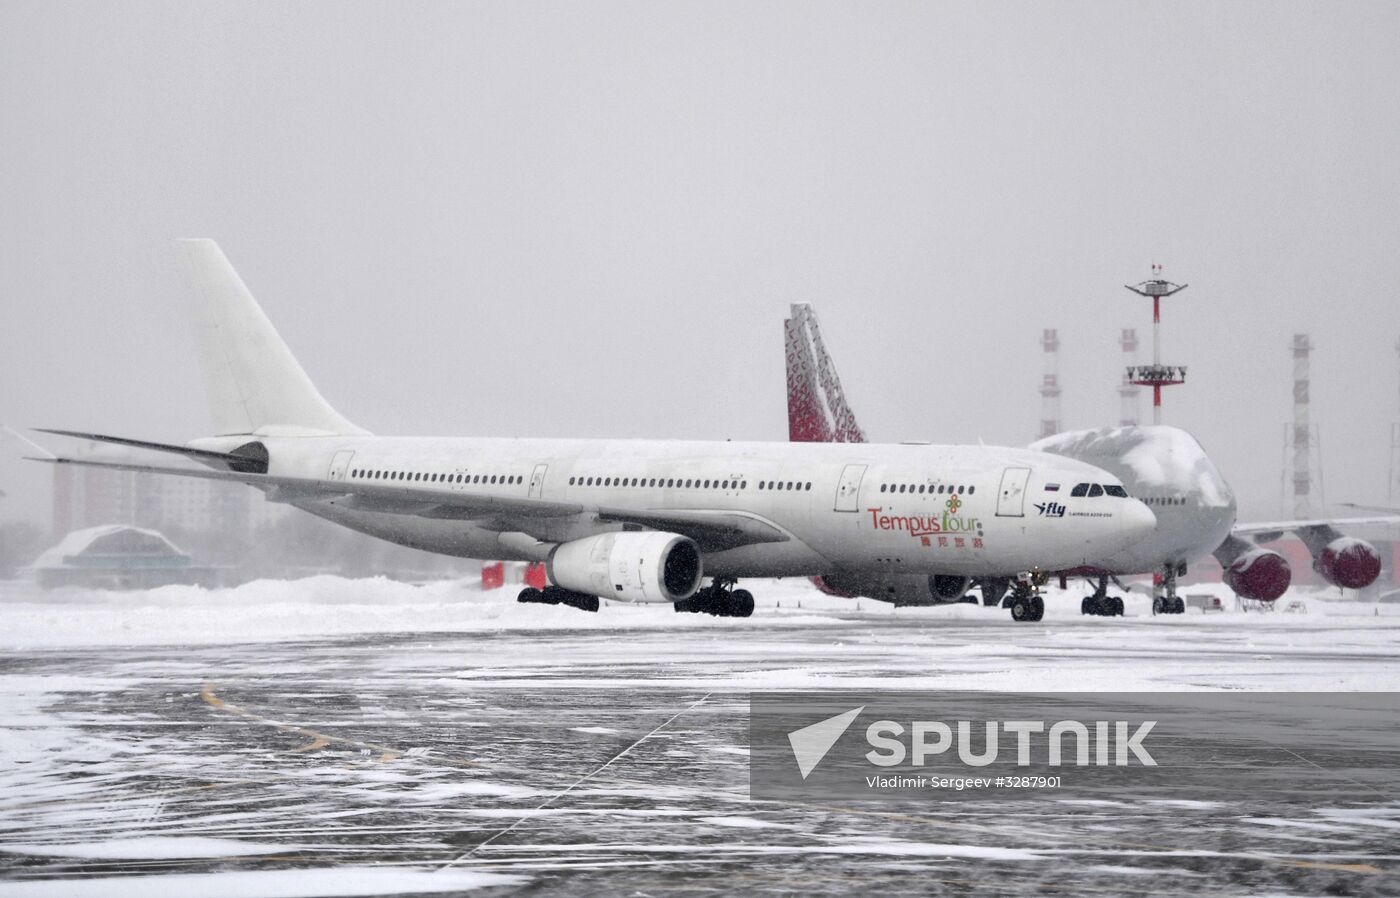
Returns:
(251, 462)
(248, 477)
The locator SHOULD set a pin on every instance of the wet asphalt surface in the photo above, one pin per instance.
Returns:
(599, 762)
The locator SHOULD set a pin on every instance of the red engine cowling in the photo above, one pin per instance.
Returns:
(822, 584)
(1349, 563)
(1260, 574)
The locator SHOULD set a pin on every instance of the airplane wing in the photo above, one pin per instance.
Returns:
(712, 531)
(1270, 531)
(1381, 508)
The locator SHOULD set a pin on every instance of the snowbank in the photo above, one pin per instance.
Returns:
(327, 606)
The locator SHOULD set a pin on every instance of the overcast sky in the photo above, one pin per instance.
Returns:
(588, 219)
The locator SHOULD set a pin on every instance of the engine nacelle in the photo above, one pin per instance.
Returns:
(628, 566)
(1349, 563)
(1260, 574)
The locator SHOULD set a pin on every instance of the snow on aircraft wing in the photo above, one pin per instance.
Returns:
(1272, 530)
(1394, 512)
(713, 531)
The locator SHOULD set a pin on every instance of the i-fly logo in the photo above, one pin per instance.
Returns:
(1050, 509)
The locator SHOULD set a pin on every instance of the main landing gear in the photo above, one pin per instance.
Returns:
(1025, 601)
(555, 595)
(1101, 603)
(720, 599)
(1169, 603)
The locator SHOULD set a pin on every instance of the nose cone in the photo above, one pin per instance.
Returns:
(1137, 521)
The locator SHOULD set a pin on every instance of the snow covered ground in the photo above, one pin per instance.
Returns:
(336, 737)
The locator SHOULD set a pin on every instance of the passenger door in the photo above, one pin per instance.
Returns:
(340, 464)
(848, 490)
(1011, 501)
(537, 481)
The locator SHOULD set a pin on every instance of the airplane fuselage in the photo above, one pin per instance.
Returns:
(1167, 469)
(921, 509)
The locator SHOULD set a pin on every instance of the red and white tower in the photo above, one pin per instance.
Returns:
(1302, 442)
(1157, 375)
(1127, 390)
(1393, 495)
(1050, 384)
(1302, 429)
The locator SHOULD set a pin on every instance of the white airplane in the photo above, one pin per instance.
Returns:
(1161, 465)
(631, 520)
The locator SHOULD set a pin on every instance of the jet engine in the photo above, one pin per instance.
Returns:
(629, 566)
(1348, 562)
(1261, 574)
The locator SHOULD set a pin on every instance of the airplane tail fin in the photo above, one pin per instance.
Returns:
(817, 409)
(255, 384)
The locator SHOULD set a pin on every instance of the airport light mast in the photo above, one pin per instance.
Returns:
(1157, 375)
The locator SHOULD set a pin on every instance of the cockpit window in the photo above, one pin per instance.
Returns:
(1095, 490)
(1114, 490)
(1080, 489)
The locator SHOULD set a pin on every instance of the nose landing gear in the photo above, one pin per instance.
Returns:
(1169, 602)
(1101, 603)
(1025, 601)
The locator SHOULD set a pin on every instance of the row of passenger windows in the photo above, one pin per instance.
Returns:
(924, 488)
(1165, 500)
(1092, 490)
(671, 483)
(421, 477)
(689, 483)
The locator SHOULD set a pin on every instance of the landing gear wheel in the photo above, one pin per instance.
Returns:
(719, 600)
(530, 595)
(1169, 602)
(1025, 601)
(555, 595)
(1118, 605)
(1101, 603)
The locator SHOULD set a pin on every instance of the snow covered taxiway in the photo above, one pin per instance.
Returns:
(333, 737)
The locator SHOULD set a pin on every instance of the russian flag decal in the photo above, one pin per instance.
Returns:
(1052, 487)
